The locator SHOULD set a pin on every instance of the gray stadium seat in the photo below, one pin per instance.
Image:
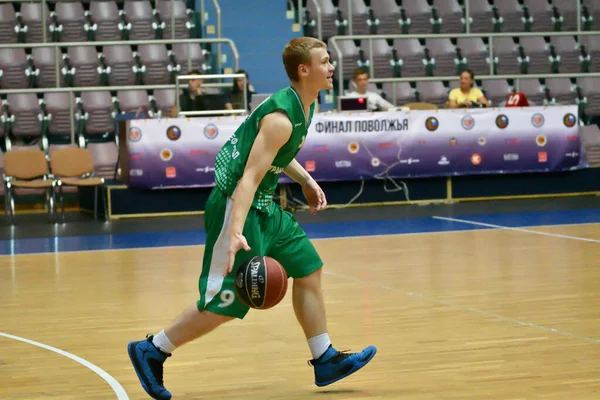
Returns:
(541, 13)
(120, 60)
(412, 54)
(180, 12)
(481, 16)
(444, 53)
(476, 54)
(85, 62)
(350, 56)
(13, 64)
(506, 55)
(328, 17)
(432, 92)
(388, 13)
(71, 16)
(419, 13)
(57, 104)
(382, 54)
(593, 8)
(496, 91)
(25, 108)
(133, 101)
(156, 60)
(533, 90)
(451, 14)
(8, 21)
(32, 14)
(99, 107)
(568, 12)
(538, 52)
(592, 46)
(106, 16)
(105, 157)
(359, 16)
(139, 14)
(568, 50)
(190, 56)
(512, 15)
(561, 90)
(45, 60)
(590, 89)
(165, 100)
(403, 91)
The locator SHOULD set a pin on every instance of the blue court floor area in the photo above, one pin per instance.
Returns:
(314, 231)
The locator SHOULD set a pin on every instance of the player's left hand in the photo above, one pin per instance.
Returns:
(314, 195)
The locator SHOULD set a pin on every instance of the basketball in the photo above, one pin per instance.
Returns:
(261, 282)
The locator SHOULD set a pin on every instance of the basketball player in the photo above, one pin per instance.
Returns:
(242, 221)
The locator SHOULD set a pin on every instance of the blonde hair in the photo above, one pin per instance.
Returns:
(297, 52)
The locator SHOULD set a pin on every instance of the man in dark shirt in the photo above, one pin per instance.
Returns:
(190, 99)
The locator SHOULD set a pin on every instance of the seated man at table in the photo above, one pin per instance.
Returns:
(466, 95)
(374, 101)
(193, 99)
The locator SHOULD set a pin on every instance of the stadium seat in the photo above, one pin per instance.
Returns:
(412, 55)
(432, 92)
(25, 108)
(120, 60)
(451, 14)
(139, 14)
(165, 100)
(403, 91)
(481, 16)
(568, 50)
(592, 47)
(133, 101)
(476, 55)
(506, 56)
(512, 16)
(538, 52)
(444, 56)
(388, 13)
(496, 91)
(32, 14)
(328, 17)
(419, 14)
(561, 90)
(71, 16)
(155, 58)
(533, 91)
(85, 61)
(13, 64)
(360, 15)
(541, 14)
(106, 16)
(8, 21)
(99, 107)
(105, 157)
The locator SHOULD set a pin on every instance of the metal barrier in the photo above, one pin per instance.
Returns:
(212, 112)
(467, 16)
(334, 43)
(236, 56)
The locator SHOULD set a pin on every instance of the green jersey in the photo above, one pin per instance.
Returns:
(231, 159)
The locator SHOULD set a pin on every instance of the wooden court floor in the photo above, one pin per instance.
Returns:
(483, 314)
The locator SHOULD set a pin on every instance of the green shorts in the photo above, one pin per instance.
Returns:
(277, 235)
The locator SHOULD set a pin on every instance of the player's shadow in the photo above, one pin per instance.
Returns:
(337, 392)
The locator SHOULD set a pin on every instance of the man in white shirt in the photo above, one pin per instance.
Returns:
(374, 101)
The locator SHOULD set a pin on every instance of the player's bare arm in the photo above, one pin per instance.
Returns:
(275, 131)
(310, 188)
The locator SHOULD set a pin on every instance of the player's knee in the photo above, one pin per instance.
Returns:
(314, 279)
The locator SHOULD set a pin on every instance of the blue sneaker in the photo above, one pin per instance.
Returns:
(148, 362)
(334, 365)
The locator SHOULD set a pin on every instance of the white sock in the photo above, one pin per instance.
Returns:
(163, 343)
(319, 345)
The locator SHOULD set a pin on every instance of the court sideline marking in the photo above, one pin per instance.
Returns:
(466, 221)
(475, 310)
(114, 384)
(463, 308)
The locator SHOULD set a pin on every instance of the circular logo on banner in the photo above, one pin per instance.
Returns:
(353, 147)
(166, 154)
(453, 142)
(476, 159)
(135, 134)
(569, 120)
(541, 140)
(211, 131)
(467, 122)
(501, 121)
(481, 141)
(537, 120)
(431, 124)
(375, 162)
(173, 132)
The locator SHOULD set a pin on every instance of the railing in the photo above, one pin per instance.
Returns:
(467, 16)
(515, 77)
(334, 43)
(56, 46)
(44, 2)
(243, 110)
(218, 28)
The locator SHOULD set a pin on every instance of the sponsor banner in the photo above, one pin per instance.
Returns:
(167, 153)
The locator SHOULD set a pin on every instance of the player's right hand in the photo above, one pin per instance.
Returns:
(237, 242)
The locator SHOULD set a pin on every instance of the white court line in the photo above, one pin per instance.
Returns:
(116, 386)
(463, 308)
(465, 221)
(313, 239)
